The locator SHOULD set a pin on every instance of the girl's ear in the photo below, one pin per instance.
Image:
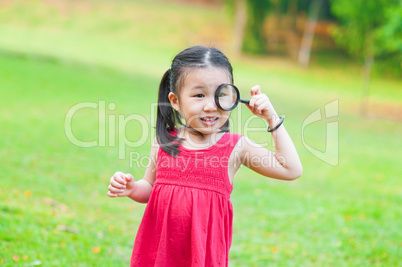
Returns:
(174, 101)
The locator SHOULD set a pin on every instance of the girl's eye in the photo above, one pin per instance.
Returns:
(222, 95)
(199, 95)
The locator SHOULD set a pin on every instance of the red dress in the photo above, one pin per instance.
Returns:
(188, 218)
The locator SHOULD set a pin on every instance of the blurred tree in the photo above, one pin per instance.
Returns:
(249, 16)
(308, 35)
(240, 20)
(389, 41)
(255, 32)
(290, 28)
(364, 27)
(253, 41)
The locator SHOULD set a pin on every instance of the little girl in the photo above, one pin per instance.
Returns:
(188, 182)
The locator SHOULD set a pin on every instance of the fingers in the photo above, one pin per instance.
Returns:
(258, 103)
(118, 183)
(114, 189)
(110, 194)
(261, 104)
(118, 180)
(255, 90)
(129, 177)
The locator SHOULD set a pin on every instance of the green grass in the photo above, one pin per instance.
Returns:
(344, 215)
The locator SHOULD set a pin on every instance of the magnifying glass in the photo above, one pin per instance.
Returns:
(227, 97)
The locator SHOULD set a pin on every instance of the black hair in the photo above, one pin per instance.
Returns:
(172, 81)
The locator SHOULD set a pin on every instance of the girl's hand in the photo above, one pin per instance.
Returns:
(261, 106)
(121, 185)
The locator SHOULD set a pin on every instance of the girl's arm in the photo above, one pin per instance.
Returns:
(284, 163)
(143, 187)
(122, 184)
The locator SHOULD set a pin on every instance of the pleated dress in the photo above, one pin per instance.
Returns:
(188, 218)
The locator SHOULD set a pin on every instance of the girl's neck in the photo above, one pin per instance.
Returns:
(194, 140)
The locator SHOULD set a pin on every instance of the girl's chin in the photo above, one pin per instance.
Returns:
(207, 129)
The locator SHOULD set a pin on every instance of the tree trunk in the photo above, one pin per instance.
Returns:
(292, 43)
(366, 72)
(368, 64)
(240, 20)
(308, 35)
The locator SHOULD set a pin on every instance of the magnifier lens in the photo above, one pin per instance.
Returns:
(227, 97)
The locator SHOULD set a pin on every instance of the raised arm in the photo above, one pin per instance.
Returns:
(284, 163)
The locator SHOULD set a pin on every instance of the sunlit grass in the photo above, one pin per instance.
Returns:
(329, 209)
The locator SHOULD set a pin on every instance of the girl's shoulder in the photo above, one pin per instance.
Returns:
(243, 144)
(234, 138)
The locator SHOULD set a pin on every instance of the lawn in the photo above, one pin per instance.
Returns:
(53, 203)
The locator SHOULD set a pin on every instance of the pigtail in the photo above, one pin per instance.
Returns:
(166, 118)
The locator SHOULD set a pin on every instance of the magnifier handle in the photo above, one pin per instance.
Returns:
(244, 101)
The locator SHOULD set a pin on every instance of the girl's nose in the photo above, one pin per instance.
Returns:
(210, 105)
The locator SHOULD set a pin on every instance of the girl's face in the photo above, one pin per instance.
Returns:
(196, 101)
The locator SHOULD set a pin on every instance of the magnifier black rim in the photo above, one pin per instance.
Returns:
(217, 96)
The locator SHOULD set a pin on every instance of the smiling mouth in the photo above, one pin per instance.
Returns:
(209, 119)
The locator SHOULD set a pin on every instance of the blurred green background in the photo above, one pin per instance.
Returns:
(54, 55)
